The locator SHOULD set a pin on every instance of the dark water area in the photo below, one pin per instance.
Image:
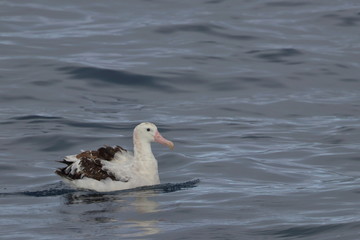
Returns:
(261, 98)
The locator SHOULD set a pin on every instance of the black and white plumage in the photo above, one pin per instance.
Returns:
(114, 168)
(91, 164)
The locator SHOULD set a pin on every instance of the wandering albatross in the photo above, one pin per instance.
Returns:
(114, 168)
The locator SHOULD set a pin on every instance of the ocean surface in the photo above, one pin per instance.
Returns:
(261, 98)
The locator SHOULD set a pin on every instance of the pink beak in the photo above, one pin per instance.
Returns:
(160, 139)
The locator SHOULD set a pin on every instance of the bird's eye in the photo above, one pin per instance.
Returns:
(148, 129)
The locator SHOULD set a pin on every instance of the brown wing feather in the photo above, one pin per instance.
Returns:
(105, 153)
(90, 163)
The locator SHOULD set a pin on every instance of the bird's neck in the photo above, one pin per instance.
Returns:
(142, 149)
(145, 162)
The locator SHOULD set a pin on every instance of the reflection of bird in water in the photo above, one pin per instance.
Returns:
(141, 203)
(124, 208)
(142, 228)
(114, 168)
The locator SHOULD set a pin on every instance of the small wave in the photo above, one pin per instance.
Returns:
(60, 189)
(307, 231)
(209, 29)
(36, 118)
(99, 76)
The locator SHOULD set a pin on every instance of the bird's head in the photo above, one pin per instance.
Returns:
(149, 132)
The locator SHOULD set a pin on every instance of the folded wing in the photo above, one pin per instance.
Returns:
(92, 164)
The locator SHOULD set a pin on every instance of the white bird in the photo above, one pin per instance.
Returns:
(114, 168)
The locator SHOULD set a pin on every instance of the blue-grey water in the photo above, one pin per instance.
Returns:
(262, 100)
